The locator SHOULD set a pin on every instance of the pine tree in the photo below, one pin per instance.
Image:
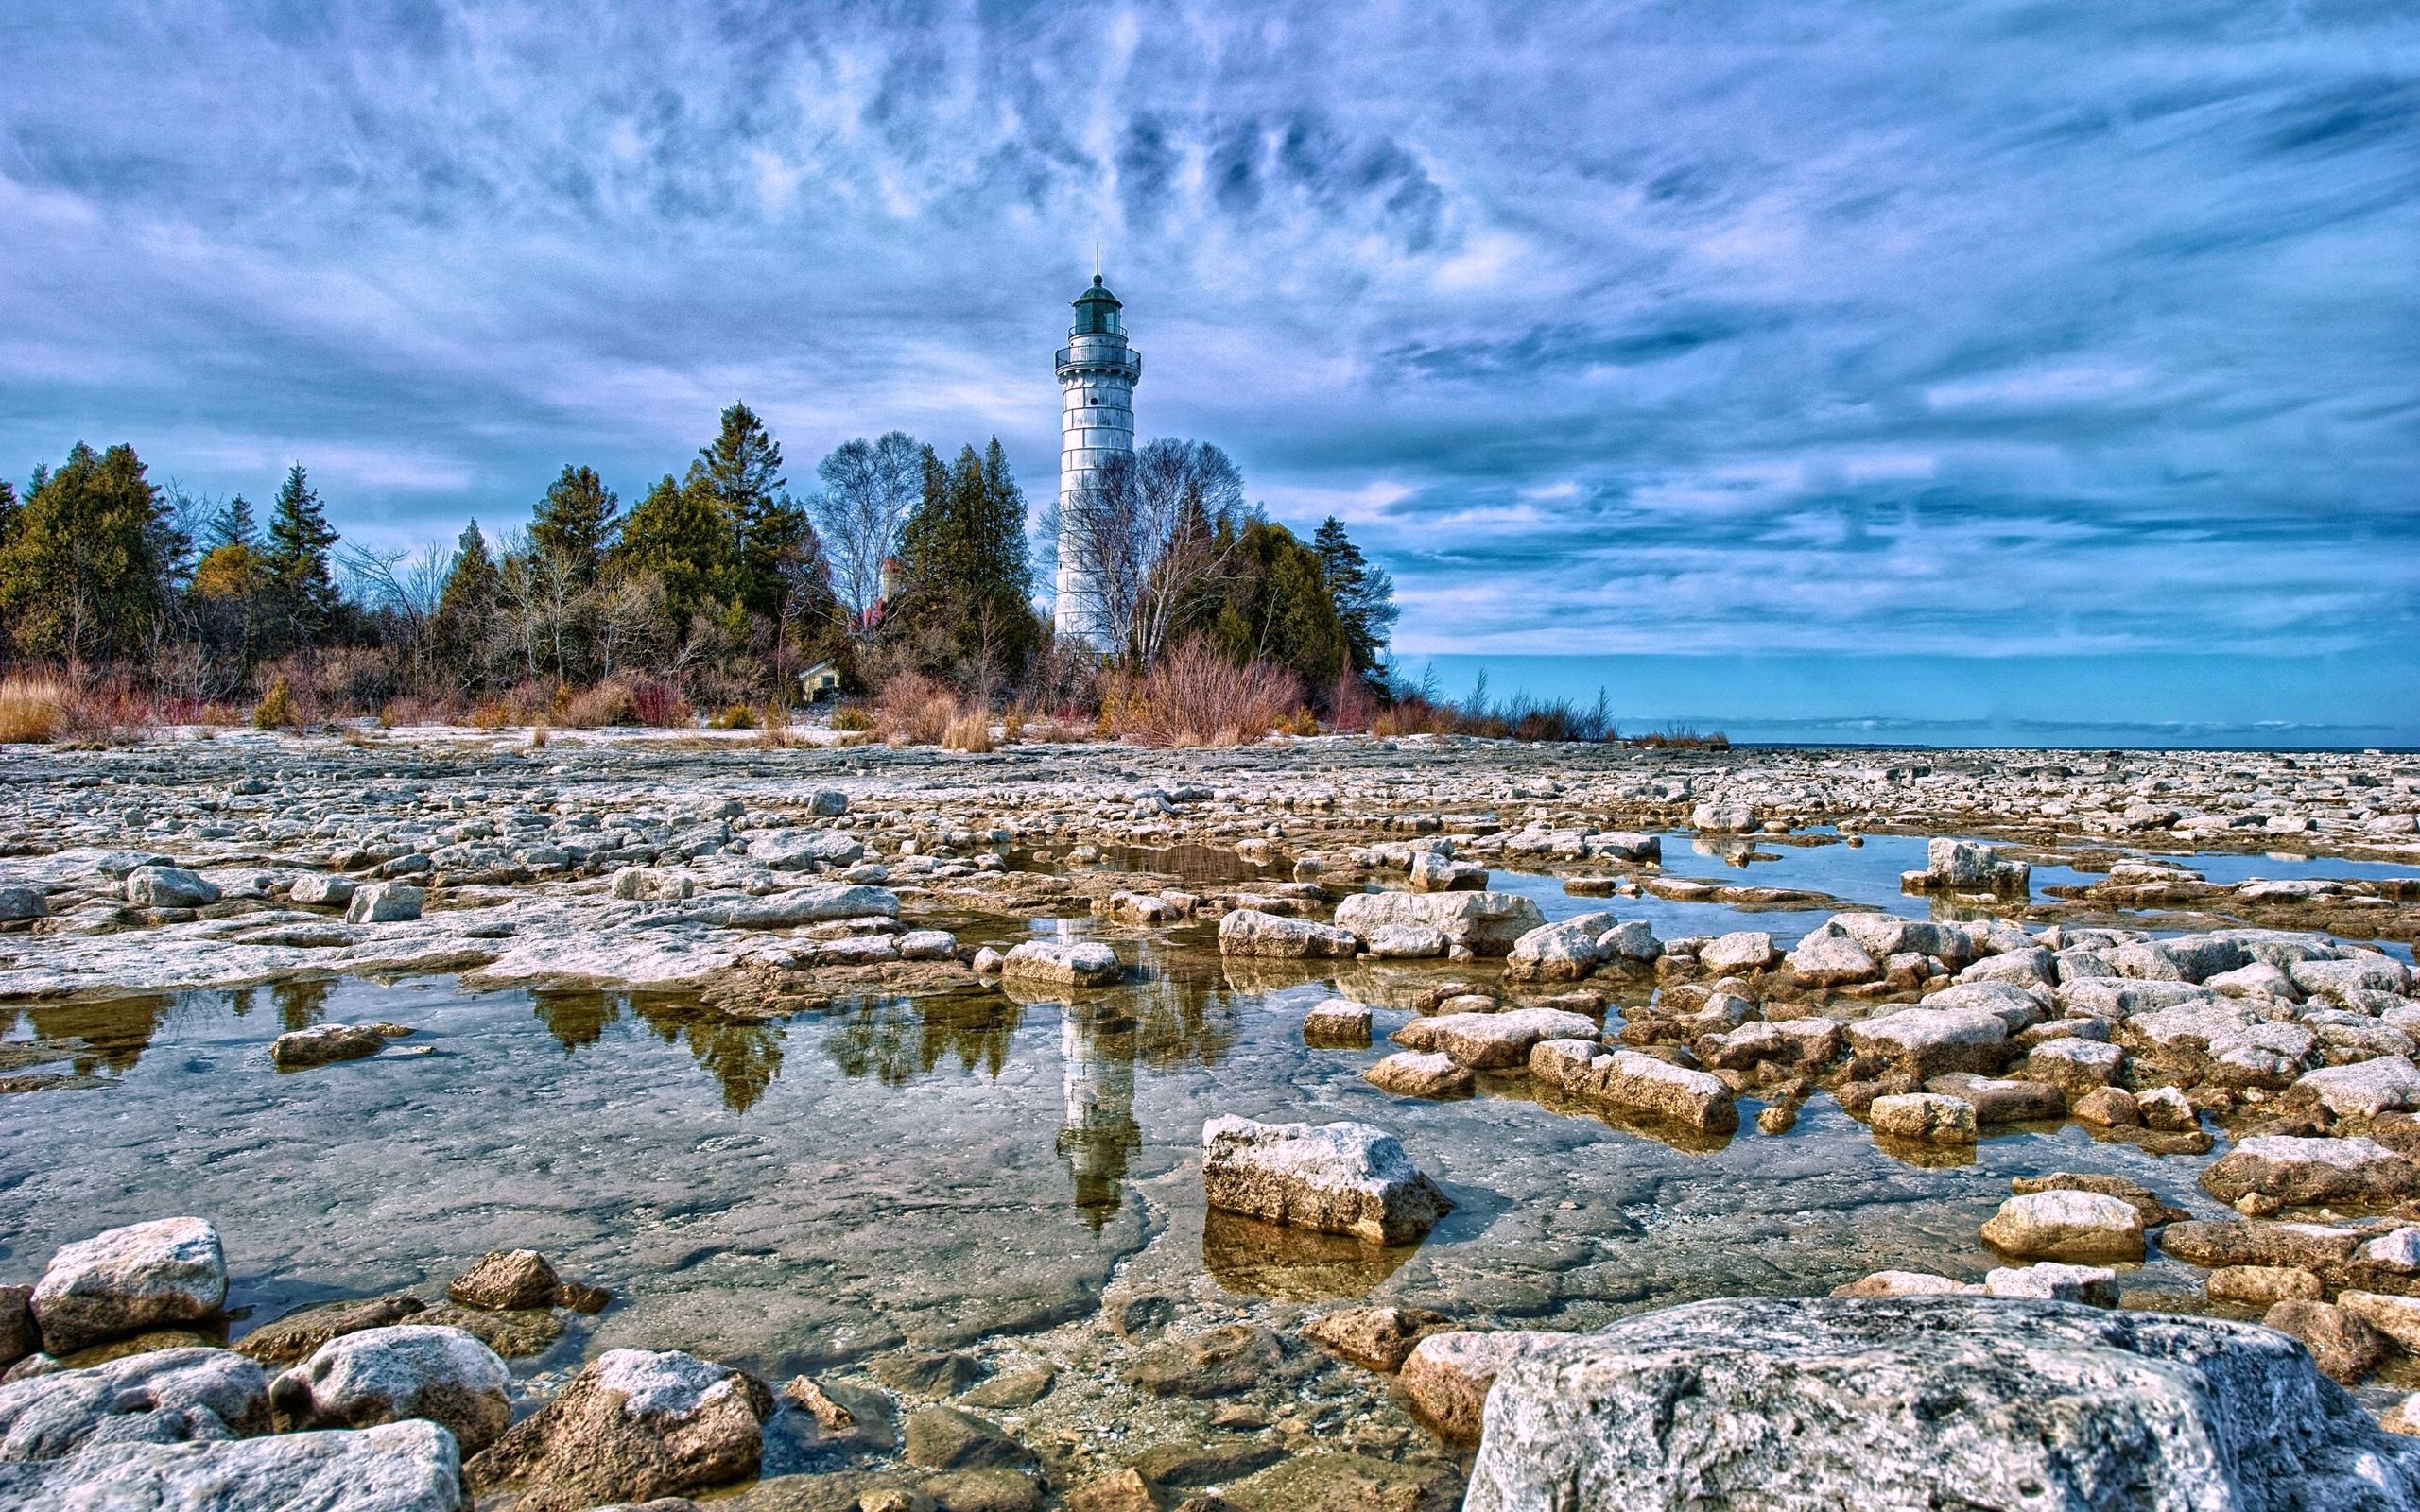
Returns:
(295, 559)
(231, 525)
(963, 553)
(576, 523)
(1364, 597)
(681, 534)
(465, 617)
(86, 563)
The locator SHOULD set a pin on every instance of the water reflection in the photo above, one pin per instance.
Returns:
(743, 1059)
(897, 1039)
(1293, 1265)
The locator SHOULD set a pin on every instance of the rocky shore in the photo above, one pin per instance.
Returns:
(2209, 1070)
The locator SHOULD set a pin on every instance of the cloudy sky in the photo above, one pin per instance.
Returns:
(2017, 332)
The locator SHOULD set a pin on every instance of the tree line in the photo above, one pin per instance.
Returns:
(717, 582)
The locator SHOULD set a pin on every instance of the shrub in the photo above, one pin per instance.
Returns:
(1012, 724)
(1300, 722)
(852, 717)
(735, 716)
(607, 703)
(914, 709)
(1194, 696)
(969, 730)
(660, 705)
(492, 713)
(276, 710)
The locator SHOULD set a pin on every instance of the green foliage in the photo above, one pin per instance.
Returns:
(576, 523)
(963, 556)
(301, 585)
(1276, 605)
(680, 533)
(85, 561)
(1364, 597)
(231, 525)
(276, 710)
(465, 613)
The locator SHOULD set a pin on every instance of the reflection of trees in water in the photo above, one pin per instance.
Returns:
(896, 1039)
(743, 1059)
(300, 1005)
(104, 1035)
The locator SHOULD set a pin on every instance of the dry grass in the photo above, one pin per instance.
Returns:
(970, 731)
(914, 709)
(1196, 696)
(34, 710)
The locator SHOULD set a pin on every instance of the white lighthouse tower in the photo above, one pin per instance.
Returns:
(1098, 372)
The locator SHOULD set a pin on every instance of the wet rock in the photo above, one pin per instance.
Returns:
(2307, 1246)
(1347, 1483)
(2300, 1172)
(1249, 931)
(168, 887)
(385, 902)
(1828, 957)
(2344, 1348)
(1928, 1042)
(506, 1280)
(323, 1044)
(2261, 1285)
(1012, 1390)
(632, 1426)
(2167, 1109)
(927, 945)
(1432, 871)
(1909, 1405)
(1655, 1092)
(1218, 1362)
(927, 1372)
(1374, 1338)
(1062, 963)
(387, 1374)
(1338, 1025)
(1407, 942)
(1415, 1074)
(19, 1337)
(1557, 953)
(407, 1467)
(1447, 1377)
(2396, 1318)
(945, 1438)
(1746, 950)
(1484, 923)
(2141, 1199)
(1924, 1118)
(2095, 1285)
(2069, 1226)
(1343, 1177)
(292, 1337)
(164, 1396)
(1903, 1283)
(1492, 1041)
(2075, 1066)
(128, 1280)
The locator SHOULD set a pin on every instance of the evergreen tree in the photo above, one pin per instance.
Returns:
(1364, 597)
(770, 535)
(231, 525)
(680, 534)
(295, 559)
(9, 511)
(1277, 605)
(465, 617)
(576, 523)
(964, 555)
(86, 565)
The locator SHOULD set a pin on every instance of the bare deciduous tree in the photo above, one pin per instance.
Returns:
(1148, 537)
(870, 489)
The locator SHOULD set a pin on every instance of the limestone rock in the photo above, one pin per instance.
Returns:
(2299, 1171)
(1928, 1042)
(386, 1375)
(292, 1338)
(2396, 1317)
(407, 1467)
(806, 850)
(385, 902)
(1374, 1338)
(1407, 942)
(20, 903)
(1492, 1041)
(2074, 1066)
(1914, 1404)
(168, 887)
(19, 1337)
(1828, 957)
(323, 1044)
(507, 1280)
(1926, 1118)
(2053, 1282)
(630, 1426)
(2307, 1246)
(1346, 1178)
(1249, 931)
(1338, 1023)
(2362, 1089)
(322, 888)
(1218, 1362)
(1447, 1377)
(945, 1438)
(1417, 1074)
(1557, 953)
(1746, 950)
(2143, 1199)
(164, 1396)
(2344, 1348)
(2263, 1285)
(1484, 923)
(1062, 963)
(1657, 1091)
(128, 1280)
(2069, 1226)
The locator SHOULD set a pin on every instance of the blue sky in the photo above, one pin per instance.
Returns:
(2010, 333)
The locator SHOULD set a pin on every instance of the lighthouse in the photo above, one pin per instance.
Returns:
(1098, 372)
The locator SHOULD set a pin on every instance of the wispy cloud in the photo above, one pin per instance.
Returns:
(1978, 327)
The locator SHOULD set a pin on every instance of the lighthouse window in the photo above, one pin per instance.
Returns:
(1094, 400)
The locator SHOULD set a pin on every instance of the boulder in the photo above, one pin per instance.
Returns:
(128, 1280)
(2145, 1202)
(1484, 923)
(1338, 1023)
(2397, 1318)
(18, 904)
(946, 1438)
(2069, 1226)
(1914, 1404)
(1407, 942)
(1374, 1338)
(2053, 1282)
(2167, 1110)
(1656, 1091)
(1218, 1362)
(2262, 1285)
(1963, 865)
(1925, 1118)
(1828, 957)
(323, 1044)
(1420, 1073)
(1633, 940)
(2307, 1246)
(407, 1467)
(828, 803)
(1062, 963)
(506, 1281)
(653, 885)
(324, 887)
(1559, 952)
(1346, 1178)
(170, 887)
(1745, 950)
(1447, 1377)
(2365, 1089)
(1997, 1100)
(291, 1338)
(1492, 1041)
(2344, 1348)
(1433, 871)
(386, 1375)
(630, 1426)
(1249, 931)
(164, 1396)
(2074, 1066)
(19, 1337)
(2299, 1171)
(385, 902)
(1926, 1042)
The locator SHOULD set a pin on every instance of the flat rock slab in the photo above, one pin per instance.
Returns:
(408, 1467)
(1911, 1404)
(1343, 1179)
